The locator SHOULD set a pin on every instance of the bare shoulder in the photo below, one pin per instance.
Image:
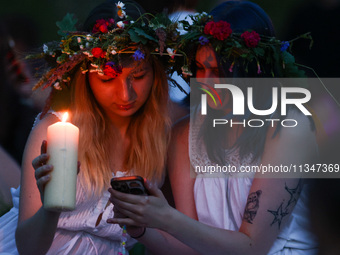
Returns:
(43, 124)
(177, 111)
(37, 135)
(180, 130)
(288, 145)
(178, 148)
(300, 128)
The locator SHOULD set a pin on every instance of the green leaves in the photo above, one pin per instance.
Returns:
(67, 24)
(138, 35)
(141, 32)
(136, 38)
(291, 69)
(259, 51)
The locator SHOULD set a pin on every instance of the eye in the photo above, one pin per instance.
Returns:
(139, 75)
(106, 79)
(199, 66)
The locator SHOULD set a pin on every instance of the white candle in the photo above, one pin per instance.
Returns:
(62, 146)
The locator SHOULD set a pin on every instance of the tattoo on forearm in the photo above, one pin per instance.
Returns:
(278, 215)
(294, 193)
(283, 211)
(252, 206)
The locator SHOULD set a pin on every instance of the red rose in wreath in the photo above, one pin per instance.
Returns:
(251, 39)
(98, 53)
(220, 30)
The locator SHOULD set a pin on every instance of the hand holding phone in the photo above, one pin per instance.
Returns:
(129, 184)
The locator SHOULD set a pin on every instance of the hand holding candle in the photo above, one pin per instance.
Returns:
(60, 191)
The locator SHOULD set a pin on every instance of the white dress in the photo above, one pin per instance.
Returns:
(226, 210)
(76, 231)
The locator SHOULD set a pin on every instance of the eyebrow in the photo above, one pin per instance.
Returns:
(141, 68)
(138, 70)
(210, 67)
(197, 62)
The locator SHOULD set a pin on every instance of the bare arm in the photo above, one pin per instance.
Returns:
(36, 226)
(276, 197)
(258, 232)
(182, 183)
(158, 241)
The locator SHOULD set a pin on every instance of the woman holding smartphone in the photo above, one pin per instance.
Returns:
(240, 213)
(114, 83)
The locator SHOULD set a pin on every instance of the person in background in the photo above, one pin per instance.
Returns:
(18, 107)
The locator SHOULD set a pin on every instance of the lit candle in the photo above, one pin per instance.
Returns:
(62, 146)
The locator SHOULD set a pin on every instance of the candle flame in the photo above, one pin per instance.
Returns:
(65, 116)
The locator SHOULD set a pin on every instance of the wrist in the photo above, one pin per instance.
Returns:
(139, 235)
(170, 223)
(52, 215)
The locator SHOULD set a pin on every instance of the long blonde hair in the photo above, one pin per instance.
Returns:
(148, 131)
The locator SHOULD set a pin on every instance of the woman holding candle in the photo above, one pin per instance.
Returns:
(112, 80)
(229, 213)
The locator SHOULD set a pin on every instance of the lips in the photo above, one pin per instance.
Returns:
(125, 107)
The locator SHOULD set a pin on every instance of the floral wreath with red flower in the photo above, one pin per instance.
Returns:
(100, 51)
(240, 48)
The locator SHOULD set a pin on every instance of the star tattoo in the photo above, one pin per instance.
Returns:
(294, 193)
(279, 214)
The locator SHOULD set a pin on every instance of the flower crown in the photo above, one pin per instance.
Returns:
(242, 49)
(100, 51)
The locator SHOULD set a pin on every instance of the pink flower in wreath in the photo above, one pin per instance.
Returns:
(251, 39)
(220, 30)
(102, 25)
(98, 53)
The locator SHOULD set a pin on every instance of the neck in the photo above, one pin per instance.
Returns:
(120, 124)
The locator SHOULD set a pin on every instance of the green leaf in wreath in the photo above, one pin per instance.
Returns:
(292, 71)
(141, 32)
(136, 38)
(67, 24)
(191, 35)
(259, 51)
(237, 44)
(273, 53)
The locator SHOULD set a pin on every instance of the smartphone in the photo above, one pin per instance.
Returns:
(129, 184)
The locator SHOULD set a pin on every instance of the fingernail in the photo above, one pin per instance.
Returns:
(48, 167)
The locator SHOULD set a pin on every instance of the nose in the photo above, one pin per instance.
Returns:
(204, 76)
(206, 73)
(127, 92)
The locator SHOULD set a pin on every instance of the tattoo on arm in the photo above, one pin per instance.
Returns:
(252, 206)
(283, 211)
(278, 215)
(294, 193)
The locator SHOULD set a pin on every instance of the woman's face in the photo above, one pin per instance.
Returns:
(208, 72)
(124, 95)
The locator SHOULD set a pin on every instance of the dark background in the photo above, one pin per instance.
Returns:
(46, 12)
